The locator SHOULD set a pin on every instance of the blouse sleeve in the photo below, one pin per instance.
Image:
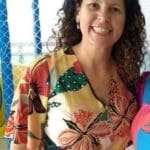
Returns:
(29, 106)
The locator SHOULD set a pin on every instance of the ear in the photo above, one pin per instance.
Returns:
(77, 14)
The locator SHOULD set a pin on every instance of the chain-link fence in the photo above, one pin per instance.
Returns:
(25, 27)
(6, 67)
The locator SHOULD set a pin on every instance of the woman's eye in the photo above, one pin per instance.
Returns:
(94, 6)
(115, 9)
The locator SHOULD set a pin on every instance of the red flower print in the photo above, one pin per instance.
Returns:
(86, 139)
(77, 67)
(122, 112)
(20, 136)
(83, 144)
(17, 124)
(100, 129)
(83, 117)
(68, 137)
(20, 121)
(10, 125)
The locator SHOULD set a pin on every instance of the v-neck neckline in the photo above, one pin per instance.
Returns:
(78, 69)
(68, 52)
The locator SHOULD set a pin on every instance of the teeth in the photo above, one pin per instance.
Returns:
(100, 30)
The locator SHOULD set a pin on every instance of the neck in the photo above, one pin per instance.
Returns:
(96, 59)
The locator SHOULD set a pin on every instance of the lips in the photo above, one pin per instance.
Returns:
(100, 30)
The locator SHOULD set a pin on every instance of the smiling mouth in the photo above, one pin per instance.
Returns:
(101, 30)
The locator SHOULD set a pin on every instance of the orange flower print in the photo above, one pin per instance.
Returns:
(122, 109)
(82, 117)
(90, 138)
(17, 124)
(122, 113)
(10, 125)
(68, 137)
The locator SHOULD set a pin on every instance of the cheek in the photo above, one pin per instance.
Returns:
(84, 26)
(122, 22)
(120, 26)
(85, 23)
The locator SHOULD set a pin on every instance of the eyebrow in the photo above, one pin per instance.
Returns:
(114, 3)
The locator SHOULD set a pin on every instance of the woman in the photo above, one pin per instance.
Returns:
(82, 96)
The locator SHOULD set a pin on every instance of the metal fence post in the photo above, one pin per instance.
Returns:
(5, 55)
(36, 26)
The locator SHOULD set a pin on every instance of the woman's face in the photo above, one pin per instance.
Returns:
(101, 22)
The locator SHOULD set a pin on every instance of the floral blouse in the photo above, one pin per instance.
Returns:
(55, 100)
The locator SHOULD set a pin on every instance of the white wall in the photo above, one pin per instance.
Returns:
(145, 4)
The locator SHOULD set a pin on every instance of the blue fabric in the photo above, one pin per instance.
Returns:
(146, 95)
(143, 140)
(143, 137)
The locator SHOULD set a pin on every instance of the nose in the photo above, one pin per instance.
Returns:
(103, 16)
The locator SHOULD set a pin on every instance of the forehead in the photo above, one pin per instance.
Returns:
(106, 1)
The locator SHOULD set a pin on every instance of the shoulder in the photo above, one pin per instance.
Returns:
(36, 70)
(43, 64)
(46, 62)
(39, 62)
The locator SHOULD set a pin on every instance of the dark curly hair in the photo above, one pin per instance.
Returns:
(128, 51)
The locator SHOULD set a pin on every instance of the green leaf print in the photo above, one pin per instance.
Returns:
(70, 81)
(30, 134)
(54, 104)
(104, 116)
